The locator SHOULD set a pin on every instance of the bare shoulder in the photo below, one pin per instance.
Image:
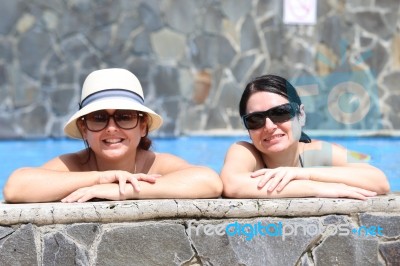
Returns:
(164, 163)
(72, 162)
(244, 152)
(243, 146)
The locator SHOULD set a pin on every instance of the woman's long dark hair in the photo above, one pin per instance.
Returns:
(273, 84)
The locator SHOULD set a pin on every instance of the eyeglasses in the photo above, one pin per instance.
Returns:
(278, 114)
(125, 119)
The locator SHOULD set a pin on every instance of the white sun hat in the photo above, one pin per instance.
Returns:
(113, 88)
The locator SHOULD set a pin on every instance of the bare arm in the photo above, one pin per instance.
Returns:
(327, 163)
(58, 178)
(347, 170)
(178, 179)
(242, 159)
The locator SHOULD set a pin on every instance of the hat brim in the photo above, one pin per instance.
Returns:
(71, 128)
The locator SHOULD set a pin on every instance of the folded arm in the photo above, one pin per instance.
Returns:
(239, 181)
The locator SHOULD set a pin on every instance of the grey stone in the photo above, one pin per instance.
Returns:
(331, 34)
(145, 244)
(209, 51)
(269, 8)
(60, 250)
(6, 52)
(376, 58)
(168, 45)
(60, 101)
(392, 81)
(393, 103)
(238, 249)
(235, 9)
(249, 38)
(74, 48)
(9, 13)
(166, 81)
(373, 23)
(215, 119)
(141, 68)
(229, 98)
(181, 15)
(7, 129)
(346, 250)
(84, 233)
(276, 45)
(390, 252)
(34, 121)
(29, 59)
(392, 5)
(24, 92)
(242, 67)
(19, 248)
(5, 231)
(390, 224)
(129, 23)
(141, 44)
(212, 20)
(150, 17)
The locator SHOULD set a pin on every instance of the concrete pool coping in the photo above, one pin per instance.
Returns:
(141, 210)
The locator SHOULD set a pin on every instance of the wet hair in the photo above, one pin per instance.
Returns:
(273, 84)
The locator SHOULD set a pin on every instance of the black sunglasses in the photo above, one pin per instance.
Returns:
(125, 119)
(278, 114)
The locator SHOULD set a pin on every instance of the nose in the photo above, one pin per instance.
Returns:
(111, 124)
(269, 125)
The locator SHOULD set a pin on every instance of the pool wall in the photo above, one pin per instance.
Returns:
(194, 58)
(192, 232)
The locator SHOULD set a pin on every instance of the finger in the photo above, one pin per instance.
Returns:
(267, 177)
(135, 184)
(276, 180)
(121, 182)
(259, 172)
(364, 192)
(85, 197)
(285, 180)
(355, 195)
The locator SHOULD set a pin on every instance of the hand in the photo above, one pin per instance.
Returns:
(338, 190)
(280, 175)
(122, 177)
(104, 191)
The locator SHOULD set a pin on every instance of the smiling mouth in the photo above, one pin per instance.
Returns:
(112, 141)
(274, 137)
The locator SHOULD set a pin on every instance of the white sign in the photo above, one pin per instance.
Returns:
(299, 11)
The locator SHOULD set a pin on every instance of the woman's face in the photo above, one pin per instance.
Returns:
(113, 142)
(274, 137)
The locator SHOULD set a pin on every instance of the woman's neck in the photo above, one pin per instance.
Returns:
(128, 163)
(289, 157)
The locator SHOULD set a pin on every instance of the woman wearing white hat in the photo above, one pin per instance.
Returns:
(114, 123)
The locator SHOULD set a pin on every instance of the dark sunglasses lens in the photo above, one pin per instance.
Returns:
(97, 121)
(126, 119)
(281, 113)
(254, 121)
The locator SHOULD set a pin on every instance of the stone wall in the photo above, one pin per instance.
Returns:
(192, 232)
(194, 58)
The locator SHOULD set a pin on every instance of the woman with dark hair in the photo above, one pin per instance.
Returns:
(114, 122)
(282, 161)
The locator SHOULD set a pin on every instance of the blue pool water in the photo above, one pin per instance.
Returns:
(209, 151)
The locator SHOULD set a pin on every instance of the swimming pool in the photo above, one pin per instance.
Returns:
(209, 151)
